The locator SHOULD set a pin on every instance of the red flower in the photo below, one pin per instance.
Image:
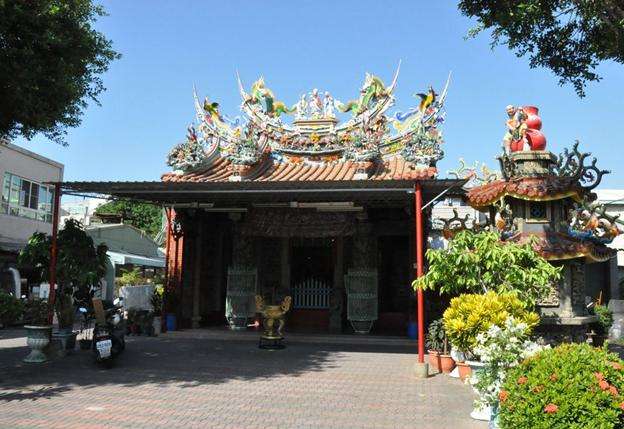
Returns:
(522, 380)
(503, 395)
(598, 375)
(551, 408)
(622, 405)
(553, 377)
(603, 384)
(613, 390)
(615, 365)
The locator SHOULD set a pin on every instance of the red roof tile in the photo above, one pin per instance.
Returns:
(543, 188)
(395, 168)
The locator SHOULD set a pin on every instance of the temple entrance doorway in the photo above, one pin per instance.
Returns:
(311, 279)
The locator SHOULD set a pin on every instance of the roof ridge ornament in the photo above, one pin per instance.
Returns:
(316, 132)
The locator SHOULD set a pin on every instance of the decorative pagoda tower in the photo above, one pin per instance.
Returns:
(548, 200)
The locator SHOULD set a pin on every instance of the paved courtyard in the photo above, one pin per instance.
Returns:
(213, 379)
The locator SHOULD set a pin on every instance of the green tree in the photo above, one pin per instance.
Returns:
(51, 59)
(79, 268)
(569, 37)
(146, 217)
(481, 262)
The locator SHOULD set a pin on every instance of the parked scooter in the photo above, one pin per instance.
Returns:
(109, 331)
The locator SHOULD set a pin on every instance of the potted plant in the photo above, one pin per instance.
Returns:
(38, 330)
(11, 309)
(499, 349)
(157, 302)
(472, 314)
(80, 267)
(602, 326)
(437, 344)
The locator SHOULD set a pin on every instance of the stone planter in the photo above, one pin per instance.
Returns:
(483, 413)
(38, 340)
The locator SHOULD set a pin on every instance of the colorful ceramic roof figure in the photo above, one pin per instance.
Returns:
(261, 145)
(545, 198)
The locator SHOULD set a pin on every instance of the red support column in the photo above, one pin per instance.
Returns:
(419, 270)
(54, 250)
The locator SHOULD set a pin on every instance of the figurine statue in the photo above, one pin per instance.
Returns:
(315, 105)
(516, 127)
(328, 106)
(302, 107)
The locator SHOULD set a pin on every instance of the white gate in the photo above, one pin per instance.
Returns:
(311, 294)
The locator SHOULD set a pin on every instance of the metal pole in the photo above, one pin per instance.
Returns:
(419, 270)
(54, 250)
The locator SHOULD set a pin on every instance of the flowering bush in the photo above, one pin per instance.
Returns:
(570, 386)
(472, 314)
(500, 349)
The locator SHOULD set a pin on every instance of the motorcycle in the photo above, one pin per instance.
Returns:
(109, 331)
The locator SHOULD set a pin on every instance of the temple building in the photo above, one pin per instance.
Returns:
(327, 211)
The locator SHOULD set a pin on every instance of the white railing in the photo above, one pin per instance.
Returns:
(312, 294)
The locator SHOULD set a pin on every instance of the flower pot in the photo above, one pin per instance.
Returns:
(156, 324)
(38, 339)
(434, 360)
(66, 340)
(464, 370)
(447, 363)
(483, 413)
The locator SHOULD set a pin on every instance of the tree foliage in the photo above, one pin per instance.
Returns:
(146, 217)
(481, 262)
(51, 60)
(79, 268)
(569, 37)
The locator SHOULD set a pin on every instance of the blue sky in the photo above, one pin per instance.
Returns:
(168, 46)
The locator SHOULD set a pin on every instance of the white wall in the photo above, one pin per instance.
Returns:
(33, 167)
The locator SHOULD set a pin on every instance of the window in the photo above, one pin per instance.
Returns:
(21, 197)
(538, 211)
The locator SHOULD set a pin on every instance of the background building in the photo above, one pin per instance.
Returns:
(613, 200)
(81, 210)
(26, 205)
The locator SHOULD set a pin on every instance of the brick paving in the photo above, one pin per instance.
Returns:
(202, 379)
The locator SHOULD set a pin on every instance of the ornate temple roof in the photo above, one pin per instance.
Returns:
(557, 246)
(545, 188)
(262, 145)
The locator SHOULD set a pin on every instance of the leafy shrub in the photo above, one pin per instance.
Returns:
(131, 277)
(472, 314)
(36, 312)
(11, 308)
(436, 337)
(570, 386)
(481, 262)
(605, 319)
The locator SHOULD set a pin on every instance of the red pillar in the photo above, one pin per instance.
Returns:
(54, 250)
(419, 270)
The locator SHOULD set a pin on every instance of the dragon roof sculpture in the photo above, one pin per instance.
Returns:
(370, 136)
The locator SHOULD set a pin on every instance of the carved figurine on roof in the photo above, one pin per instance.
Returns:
(264, 137)
(548, 201)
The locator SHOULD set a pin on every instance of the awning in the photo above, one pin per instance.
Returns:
(224, 193)
(119, 258)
